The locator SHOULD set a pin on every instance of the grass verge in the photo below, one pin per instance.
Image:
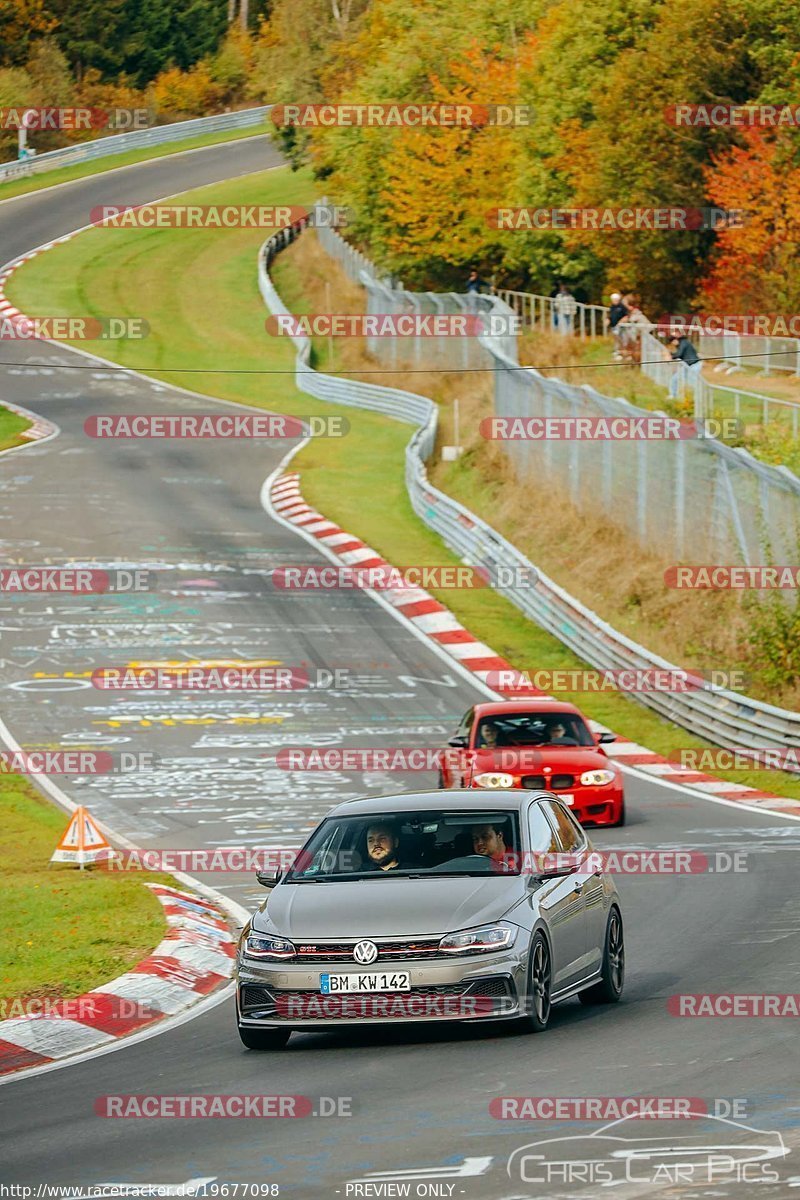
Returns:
(126, 158)
(12, 427)
(64, 931)
(107, 271)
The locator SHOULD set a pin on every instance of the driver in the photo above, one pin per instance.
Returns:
(489, 735)
(382, 844)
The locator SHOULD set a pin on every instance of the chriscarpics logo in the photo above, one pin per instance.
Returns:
(706, 1152)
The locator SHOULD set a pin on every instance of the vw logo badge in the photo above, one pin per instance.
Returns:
(365, 952)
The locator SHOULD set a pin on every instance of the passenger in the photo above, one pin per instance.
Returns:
(489, 841)
(558, 736)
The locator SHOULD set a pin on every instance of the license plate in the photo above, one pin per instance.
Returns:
(567, 797)
(380, 981)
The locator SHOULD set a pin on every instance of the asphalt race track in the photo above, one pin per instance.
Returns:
(419, 1097)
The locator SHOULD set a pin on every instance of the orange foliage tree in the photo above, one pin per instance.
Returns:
(753, 268)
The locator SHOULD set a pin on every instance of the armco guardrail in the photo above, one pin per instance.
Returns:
(722, 717)
(158, 135)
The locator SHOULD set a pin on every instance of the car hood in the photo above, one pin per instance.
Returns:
(386, 907)
(535, 759)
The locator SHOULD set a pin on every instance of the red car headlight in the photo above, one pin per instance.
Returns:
(598, 778)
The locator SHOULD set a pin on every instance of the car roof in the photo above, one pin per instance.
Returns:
(460, 798)
(536, 704)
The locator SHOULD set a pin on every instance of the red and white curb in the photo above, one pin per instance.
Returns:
(433, 620)
(195, 958)
(38, 428)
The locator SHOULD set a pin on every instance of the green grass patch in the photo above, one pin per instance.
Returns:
(204, 307)
(126, 158)
(64, 931)
(12, 426)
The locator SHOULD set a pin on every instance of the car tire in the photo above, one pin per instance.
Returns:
(612, 980)
(540, 981)
(263, 1039)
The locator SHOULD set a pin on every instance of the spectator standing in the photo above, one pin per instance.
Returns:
(629, 328)
(565, 306)
(617, 310)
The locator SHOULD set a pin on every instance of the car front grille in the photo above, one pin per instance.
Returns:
(554, 784)
(405, 950)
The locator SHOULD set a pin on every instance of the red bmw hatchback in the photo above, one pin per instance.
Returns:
(537, 744)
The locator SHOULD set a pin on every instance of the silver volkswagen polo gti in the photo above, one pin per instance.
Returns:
(445, 905)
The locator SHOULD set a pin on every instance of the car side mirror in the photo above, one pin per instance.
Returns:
(608, 736)
(459, 740)
(555, 872)
(268, 879)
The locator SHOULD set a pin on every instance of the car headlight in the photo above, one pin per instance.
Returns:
(494, 779)
(267, 947)
(478, 941)
(598, 778)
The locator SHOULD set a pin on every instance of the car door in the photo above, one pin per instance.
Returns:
(590, 879)
(560, 900)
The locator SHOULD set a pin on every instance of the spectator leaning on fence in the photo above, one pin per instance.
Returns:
(565, 306)
(617, 310)
(476, 285)
(630, 328)
(690, 365)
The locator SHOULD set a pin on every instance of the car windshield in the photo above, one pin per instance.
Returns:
(532, 729)
(409, 844)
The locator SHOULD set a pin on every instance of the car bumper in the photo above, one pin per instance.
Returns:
(589, 805)
(450, 990)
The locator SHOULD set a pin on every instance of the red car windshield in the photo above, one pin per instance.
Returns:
(532, 729)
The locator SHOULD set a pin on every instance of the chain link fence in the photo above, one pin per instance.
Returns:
(697, 499)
